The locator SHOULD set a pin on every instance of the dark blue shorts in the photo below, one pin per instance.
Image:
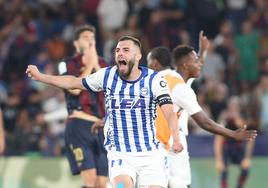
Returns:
(85, 149)
(233, 154)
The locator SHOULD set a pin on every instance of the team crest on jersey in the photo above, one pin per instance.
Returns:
(144, 91)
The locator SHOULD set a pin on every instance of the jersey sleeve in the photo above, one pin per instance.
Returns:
(94, 81)
(185, 98)
(160, 90)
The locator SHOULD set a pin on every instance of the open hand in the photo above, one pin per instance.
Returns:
(243, 134)
(96, 126)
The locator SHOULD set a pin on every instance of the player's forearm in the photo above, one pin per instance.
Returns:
(85, 73)
(202, 53)
(65, 82)
(216, 128)
(85, 116)
(173, 126)
(211, 126)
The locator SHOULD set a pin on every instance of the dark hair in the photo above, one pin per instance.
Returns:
(133, 39)
(181, 51)
(83, 28)
(161, 54)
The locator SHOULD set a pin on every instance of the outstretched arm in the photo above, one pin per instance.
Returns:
(65, 82)
(208, 124)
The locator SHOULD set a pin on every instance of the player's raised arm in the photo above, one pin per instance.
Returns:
(65, 82)
(204, 45)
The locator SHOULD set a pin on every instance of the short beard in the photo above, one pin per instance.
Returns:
(130, 65)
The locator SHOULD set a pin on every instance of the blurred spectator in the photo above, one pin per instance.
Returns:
(207, 15)
(224, 46)
(77, 20)
(164, 24)
(262, 99)
(247, 45)
(11, 108)
(214, 66)
(110, 23)
(236, 12)
(218, 100)
(56, 48)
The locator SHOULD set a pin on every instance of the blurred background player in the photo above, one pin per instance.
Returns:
(84, 149)
(2, 133)
(184, 99)
(228, 151)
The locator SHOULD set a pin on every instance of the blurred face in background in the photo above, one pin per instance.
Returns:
(151, 63)
(85, 40)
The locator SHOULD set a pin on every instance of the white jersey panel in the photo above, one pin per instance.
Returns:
(184, 97)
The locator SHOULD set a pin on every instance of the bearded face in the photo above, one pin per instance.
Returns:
(125, 67)
(125, 58)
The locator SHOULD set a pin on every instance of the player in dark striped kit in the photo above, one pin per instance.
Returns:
(85, 151)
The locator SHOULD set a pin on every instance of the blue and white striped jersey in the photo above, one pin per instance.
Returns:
(130, 108)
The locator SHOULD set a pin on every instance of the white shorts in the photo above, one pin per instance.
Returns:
(179, 166)
(145, 169)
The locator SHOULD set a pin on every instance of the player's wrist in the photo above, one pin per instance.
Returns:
(176, 139)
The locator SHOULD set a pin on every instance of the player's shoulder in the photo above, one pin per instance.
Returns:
(147, 71)
(172, 78)
(108, 70)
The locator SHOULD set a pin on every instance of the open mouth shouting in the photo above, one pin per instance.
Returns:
(122, 62)
(122, 66)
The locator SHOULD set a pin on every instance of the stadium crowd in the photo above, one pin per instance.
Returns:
(40, 33)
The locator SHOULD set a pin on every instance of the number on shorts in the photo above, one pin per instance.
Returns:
(78, 153)
(116, 162)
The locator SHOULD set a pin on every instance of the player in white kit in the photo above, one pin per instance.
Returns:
(132, 94)
(185, 102)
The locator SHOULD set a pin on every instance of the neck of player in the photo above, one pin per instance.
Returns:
(134, 75)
